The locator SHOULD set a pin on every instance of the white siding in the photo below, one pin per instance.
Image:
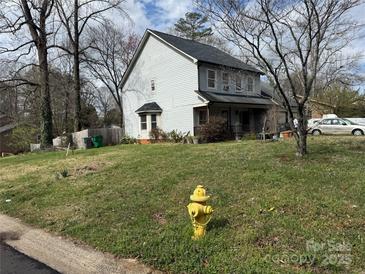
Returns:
(176, 79)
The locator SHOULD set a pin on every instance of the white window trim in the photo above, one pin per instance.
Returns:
(156, 115)
(140, 122)
(215, 79)
(154, 84)
(223, 84)
(253, 84)
(235, 84)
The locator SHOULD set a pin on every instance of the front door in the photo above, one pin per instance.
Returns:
(244, 120)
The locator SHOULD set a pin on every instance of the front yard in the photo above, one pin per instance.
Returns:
(273, 212)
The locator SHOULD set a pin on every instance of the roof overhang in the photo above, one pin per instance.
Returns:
(215, 97)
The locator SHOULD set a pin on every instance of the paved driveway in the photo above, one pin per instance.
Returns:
(13, 262)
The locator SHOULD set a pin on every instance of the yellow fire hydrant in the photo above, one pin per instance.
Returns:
(199, 212)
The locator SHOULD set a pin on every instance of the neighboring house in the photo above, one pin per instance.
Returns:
(175, 83)
(6, 127)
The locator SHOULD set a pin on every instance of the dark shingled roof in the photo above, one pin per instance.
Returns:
(203, 52)
(149, 107)
(233, 98)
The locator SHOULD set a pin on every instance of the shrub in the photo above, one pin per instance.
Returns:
(249, 136)
(21, 137)
(176, 136)
(158, 134)
(128, 140)
(215, 130)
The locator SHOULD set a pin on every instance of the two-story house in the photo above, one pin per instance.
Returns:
(175, 83)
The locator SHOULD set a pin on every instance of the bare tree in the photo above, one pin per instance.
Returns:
(75, 17)
(35, 16)
(111, 51)
(291, 41)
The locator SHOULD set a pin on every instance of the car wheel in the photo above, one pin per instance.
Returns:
(316, 132)
(358, 132)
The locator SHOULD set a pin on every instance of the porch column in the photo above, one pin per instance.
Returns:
(252, 120)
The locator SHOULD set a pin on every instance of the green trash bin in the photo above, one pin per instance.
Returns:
(97, 140)
(88, 142)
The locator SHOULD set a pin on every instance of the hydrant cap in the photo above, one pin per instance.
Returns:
(199, 194)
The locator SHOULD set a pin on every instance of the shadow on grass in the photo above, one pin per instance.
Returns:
(218, 223)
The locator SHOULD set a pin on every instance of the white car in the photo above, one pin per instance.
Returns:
(312, 122)
(337, 126)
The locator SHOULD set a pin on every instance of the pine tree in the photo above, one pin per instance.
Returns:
(193, 26)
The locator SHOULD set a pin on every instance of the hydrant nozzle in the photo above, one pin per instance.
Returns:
(199, 212)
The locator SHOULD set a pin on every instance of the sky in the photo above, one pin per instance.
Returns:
(156, 14)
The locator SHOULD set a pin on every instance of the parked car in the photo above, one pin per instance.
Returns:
(312, 122)
(337, 126)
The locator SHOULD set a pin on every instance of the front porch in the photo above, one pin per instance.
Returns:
(241, 119)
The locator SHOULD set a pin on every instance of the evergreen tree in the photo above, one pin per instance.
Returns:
(193, 26)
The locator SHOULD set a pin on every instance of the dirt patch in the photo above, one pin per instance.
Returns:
(160, 218)
(85, 169)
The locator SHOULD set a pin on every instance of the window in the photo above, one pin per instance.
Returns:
(249, 84)
(225, 79)
(326, 122)
(153, 87)
(202, 117)
(212, 78)
(143, 122)
(339, 122)
(238, 83)
(153, 121)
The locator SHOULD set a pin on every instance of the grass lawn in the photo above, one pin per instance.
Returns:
(273, 212)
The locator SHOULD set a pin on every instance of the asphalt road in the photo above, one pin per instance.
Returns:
(14, 262)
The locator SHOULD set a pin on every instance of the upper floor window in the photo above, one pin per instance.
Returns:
(225, 80)
(143, 122)
(249, 84)
(153, 86)
(153, 121)
(238, 83)
(212, 78)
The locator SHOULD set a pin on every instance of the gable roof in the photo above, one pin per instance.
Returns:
(149, 107)
(203, 52)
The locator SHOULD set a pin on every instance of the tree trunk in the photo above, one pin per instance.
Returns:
(301, 135)
(76, 69)
(46, 112)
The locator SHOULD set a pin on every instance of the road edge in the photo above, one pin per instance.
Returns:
(63, 254)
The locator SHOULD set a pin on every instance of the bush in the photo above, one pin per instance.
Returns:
(21, 137)
(157, 134)
(176, 136)
(249, 136)
(128, 140)
(215, 130)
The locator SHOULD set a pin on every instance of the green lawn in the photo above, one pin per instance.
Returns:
(131, 200)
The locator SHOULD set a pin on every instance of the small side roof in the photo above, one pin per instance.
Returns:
(234, 98)
(149, 107)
